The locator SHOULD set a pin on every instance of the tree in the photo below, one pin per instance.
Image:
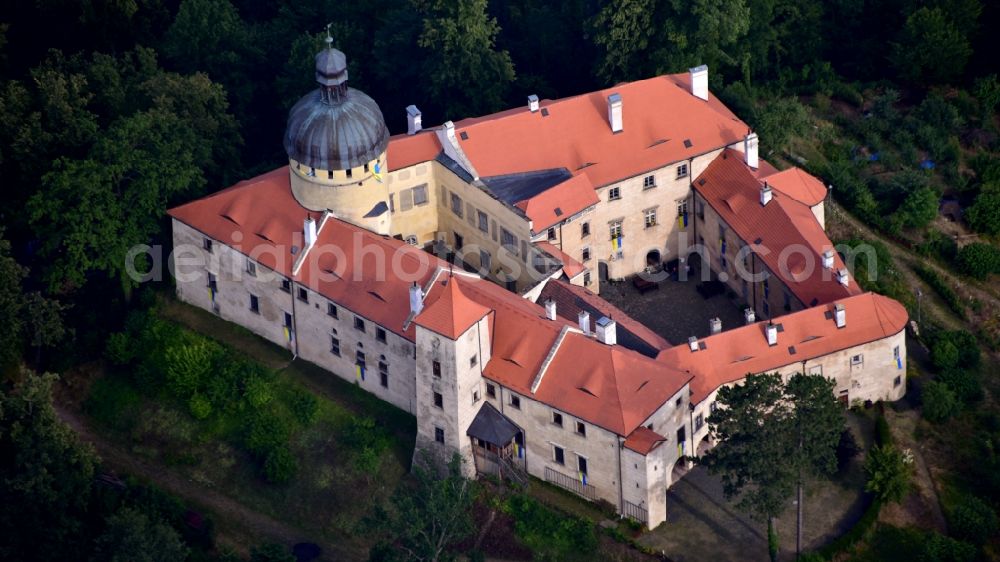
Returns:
(939, 402)
(623, 29)
(131, 536)
(944, 354)
(973, 520)
(979, 260)
(984, 214)
(889, 472)
(819, 422)
(930, 48)
(462, 68)
(11, 304)
(779, 121)
(753, 425)
(45, 472)
(919, 208)
(45, 322)
(427, 519)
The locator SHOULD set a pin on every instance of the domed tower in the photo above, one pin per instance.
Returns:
(336, 141)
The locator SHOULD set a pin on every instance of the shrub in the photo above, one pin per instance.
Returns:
(258, 392)
(973, 520)
(892, 544)
(944, 354)
(304, 406)
(984, 214)
(979, 260)
(266, 432)
(919, 208)
(939, 402)
(550, 535)
(188, 365)
(280, 465)
(939, 245)
(965, 342)
(943, 290)
(888, 471)
(113, 402)
(966, 384)
(199, 406)
(120, 349)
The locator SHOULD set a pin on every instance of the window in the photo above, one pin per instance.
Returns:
(208, 245)
(558, 455)
(650, 217)
(713, 407)
(508, 240)
(857, 359)
(895, 353)
(897, 381)
(251, 268)
(359, 357)
(254, 304)
(700, 208)
(615, 229)
(383, 374)
(473, 360)
(484, 221)
(438, 400)
(699, 421)
(515, 401)
(349, 171)
(491, 390)
(359, 324)
(456, 204)
(439, 435)
(557, 419)
(586, 278)
(436, 368)
(816, 370)
(682, 209)
(420, 195)
(581, 428)
(682, 171)
(551, 234)
(485, 261)
(581, 464)
(585, 230)
(459, 241)
(648, 182)
(286, 285)
(380, 334)
(585, 253)
(329, 174)
(303, 295)
(335, 345)
(614, 194)
(475, 396)
(331, 310)
(679, 401)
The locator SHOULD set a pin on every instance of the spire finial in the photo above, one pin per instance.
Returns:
(329, 38)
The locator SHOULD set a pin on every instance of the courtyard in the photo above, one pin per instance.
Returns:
(675, 310)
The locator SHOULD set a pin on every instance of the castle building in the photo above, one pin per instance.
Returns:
(496, 339)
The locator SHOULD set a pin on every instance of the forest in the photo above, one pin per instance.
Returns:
(112, 111)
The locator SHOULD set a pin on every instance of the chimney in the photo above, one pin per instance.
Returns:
(584, 319)
(607, 331)
(413, 125)
(749, 316)
(828, 259)
(840, 315)
(416, 299)
(842, 277)
(533, 103)
(765, 194)
(309, 230)
(550, 309)
(750, 150)
(699, 82)
(615, 112)
(693, 343)
(772, 334)
(449, 130)
(715, 325)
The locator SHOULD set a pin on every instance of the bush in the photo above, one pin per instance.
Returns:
(966, 384)
(939, 402)
(550, 535)
(189, 365)
(199, 406)
(888, 471)
(944, 354)
(113, 402)
(280, 465)
(266, 432)
(939, 245)
(973, 520)
(943, 290)
(984, 214)
(120, 349)
(966, 344)
(892, 544)
(979, 260)
(304, 406)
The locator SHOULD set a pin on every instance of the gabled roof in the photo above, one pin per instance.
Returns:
(799, 185)
(572, 299)
(570, 266)
(492, 426)
(731, 189)
(451, 313)
(807, 334)
(663, 123)
(643, 440)
(559, 202)
(407, 150)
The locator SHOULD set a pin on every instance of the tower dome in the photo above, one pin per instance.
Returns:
(335, 127)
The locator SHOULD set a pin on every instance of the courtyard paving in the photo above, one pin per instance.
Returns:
(675, 311)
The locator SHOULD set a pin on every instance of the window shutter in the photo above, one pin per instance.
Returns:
(470, 214)
(406, 199)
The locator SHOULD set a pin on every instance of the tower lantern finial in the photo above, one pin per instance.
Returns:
(329, 38)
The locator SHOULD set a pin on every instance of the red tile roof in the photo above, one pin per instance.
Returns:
(731, 189)
(407, 150)
(451, 313)
(799, 185)
(559, 202)
(643, 440)
(731, 355)
(570, 266)
(659, 115)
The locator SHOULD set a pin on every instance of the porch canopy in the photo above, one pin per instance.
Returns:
(492, 427)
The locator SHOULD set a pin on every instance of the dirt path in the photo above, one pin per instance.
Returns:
(921, 508)
(238, 526)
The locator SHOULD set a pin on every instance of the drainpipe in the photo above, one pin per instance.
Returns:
(753, 266)
(621, 489)
(295, 324)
